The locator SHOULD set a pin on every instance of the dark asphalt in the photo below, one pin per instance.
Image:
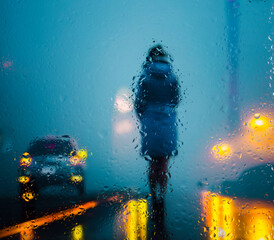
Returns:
(129, 216)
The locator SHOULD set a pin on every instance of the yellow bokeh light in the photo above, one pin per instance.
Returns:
(82, 153)
(23, 179)
(76, 178)
(79, 158)
(28, 196)
(26, 160)
(259, 122)
(26, 155)
(257, 115)
(77, 233)
(221, 151)
(225, 218)
(136, 219)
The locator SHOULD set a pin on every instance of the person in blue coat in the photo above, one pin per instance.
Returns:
(157, 96)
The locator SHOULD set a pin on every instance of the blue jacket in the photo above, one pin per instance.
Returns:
(156, 99)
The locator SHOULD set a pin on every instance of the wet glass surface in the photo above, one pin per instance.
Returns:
(136, 120)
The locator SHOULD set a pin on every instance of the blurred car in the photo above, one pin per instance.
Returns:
(49, 161)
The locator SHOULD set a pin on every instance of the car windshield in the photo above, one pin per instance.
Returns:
(50, 147)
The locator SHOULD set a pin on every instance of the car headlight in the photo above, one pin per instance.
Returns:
(23, 179)
(26, 160)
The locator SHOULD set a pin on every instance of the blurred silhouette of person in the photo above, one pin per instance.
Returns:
(156, 99)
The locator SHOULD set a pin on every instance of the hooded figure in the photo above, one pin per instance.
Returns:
(155, 103)
(156, 100)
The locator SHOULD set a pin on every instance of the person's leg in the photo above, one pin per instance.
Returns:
(153, 179)
(158, 175)
(162, 179)
(158, 171)
(163, 175)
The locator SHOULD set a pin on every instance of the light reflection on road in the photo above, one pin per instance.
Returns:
(77, 233)
(231, 218)
(132, 220)
(25, 229)
(27, 235)
(136, 219)
(223, 217)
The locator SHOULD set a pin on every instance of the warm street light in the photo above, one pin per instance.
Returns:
(260, 122)
(221, 151)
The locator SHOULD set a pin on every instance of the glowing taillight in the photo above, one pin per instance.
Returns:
(26, 160)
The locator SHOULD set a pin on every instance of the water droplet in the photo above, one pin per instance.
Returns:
(257, 115)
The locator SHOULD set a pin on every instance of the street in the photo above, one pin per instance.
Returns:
(124, 216)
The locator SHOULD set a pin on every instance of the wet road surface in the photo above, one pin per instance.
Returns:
(125, 216)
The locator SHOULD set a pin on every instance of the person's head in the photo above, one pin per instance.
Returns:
(157, 54)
